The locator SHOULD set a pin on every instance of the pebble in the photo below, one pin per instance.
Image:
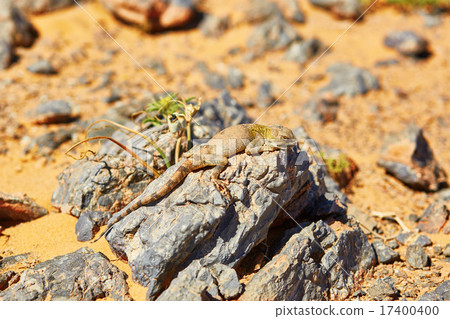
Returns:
(416, 257)
(265, 98)
(383, 289)
(423, 241)
(408, 43)
(235, 78)
(447, 250)
(403, 237)
(53, 112)
(42, 67)
(393, 244)
(385, 254)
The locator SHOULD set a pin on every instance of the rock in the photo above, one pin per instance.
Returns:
(6, 54)
(153, 15)
(447, 250)
(362, 217)
(42, 6)
(19, 208)
(345, 9)
(403, 237)
(349, 80)
(213, 26)
(385, 63)
(113, 97)
(423, 241)
(304, 50)
(444, 194)
(314, 264)
(196, 282)
(435, 218)
(105, 184)
(212, 228)
(7, 279)
(393, 244)
(292, 11)
(15, 31)
(265, 97)
(53, 112)
(88, 224)
(408, 157)
(42, 67)
(416, 257)
(47, 143)
(11, 261)
(235, 78)
(322, 108)
(385, 254)
(408, 43)
(262, 10)
(441, 293)
(214, 80)
(81, 275)
(383, 289)
(276, 33)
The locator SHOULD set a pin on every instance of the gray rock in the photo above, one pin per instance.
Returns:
(265, 97)
(423, 241)
(349, 80)
(42, 67)
(19, 208)
(408, 43)
(385, 254)
(393, 244)
(88, 224)
(235, 78)
(197, 282)
(15, 31)
(113, 97)
(209, 228)
(304, 50)
(441, 293)
(416, 257)
(435, 218)
(447, 250)
(416, 168)
(444, 194)
(213, 26)
(403, 237)
(6, 54)
(294, 12)
(157, 65)
(383, 289)
(262, 10)
(314, 264)
(105, 184)
(322, 108)
(10, 261)
(42, 6)
(53, 112)
(81, 275)
(214, 80)
(47, 143)
(347, 9)
(276, 33)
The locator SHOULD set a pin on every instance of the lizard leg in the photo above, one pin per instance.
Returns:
(220, 164)
(258, 146)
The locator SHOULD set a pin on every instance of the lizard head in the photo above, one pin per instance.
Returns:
(281, 136)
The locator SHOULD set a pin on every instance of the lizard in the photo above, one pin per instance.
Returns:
(251, 138)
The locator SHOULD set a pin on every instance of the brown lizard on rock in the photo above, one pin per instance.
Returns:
(251, 138)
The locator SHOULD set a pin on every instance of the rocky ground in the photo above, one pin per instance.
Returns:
(377, 104)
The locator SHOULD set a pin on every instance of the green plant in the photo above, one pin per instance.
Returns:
(161, 111)
(337, 165)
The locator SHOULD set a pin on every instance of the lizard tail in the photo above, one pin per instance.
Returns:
(177, 177)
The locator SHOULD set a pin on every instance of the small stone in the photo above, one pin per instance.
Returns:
(408, 43)
(302, 51)
(213, 26)
(114, 97)
(6, 54)
(53, 112)
(265, 98)
(5, 279)
(383, 289)
(393, 244)
(385, 254)
(235, 78)
(413, 217)
(42, 67)
(359, 293)
(441, 293)
(156, 65)
(10, 261)
(423, 241)
(403, 237)
(346, 9)
(19, 208)
(447, 250)
(416, 257)
(388, 62)
(434, 218)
